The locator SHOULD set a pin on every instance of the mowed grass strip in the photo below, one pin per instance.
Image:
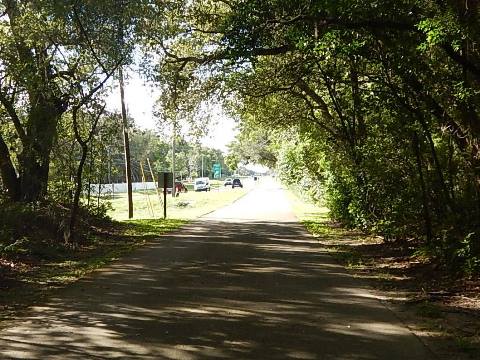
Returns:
(189, 205)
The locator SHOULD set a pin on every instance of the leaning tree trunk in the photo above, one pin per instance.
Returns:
(78, 192)
(70, 231)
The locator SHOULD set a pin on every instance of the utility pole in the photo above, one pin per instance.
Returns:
(202, 161)
(173, 157)
(126, 143)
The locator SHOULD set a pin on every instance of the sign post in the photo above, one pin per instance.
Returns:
(165, 180)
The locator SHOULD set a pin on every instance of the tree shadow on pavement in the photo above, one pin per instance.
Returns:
(216, 290)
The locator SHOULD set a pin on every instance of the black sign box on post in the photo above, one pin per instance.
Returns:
(165, 180)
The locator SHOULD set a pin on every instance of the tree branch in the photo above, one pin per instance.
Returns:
(76, 131)
(462, 60)
(312, 109)
(223, 55)
(92, 92)
(7, 104)
(89, 43)
(321, 20)
(317, 98)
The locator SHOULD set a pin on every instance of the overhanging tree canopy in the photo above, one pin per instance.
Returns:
(382, 86)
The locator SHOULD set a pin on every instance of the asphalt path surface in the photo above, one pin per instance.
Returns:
(244, 282)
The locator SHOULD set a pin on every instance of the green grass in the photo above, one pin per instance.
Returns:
(317, 222)
(190, 205)
(71, 265)
(306, 211)
(314, 217)
(145, 228)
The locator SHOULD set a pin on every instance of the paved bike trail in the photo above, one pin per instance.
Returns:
(244, 282)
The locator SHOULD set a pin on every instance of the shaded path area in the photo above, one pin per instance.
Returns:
(245, 282)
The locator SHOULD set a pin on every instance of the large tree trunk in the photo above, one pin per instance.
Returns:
(35, 157)
(34, 176)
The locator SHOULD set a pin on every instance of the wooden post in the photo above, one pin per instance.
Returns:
(173, 158)
(126, 143)
(165, 179)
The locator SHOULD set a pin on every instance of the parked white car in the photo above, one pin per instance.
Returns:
(201, 184)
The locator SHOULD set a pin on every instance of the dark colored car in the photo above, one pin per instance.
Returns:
(236, 183)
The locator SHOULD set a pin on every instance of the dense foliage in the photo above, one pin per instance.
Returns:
(56, 59)
(55, 56)
(372, 106)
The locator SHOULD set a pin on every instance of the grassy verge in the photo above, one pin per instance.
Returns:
(333, 238)
(442, 310)
(189, 205)
(30, 275)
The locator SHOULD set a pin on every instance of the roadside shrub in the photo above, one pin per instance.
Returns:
(459, 254)
(338, 200)
(23, 224)
(467, 255)
(96, 211)
(29, 228)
